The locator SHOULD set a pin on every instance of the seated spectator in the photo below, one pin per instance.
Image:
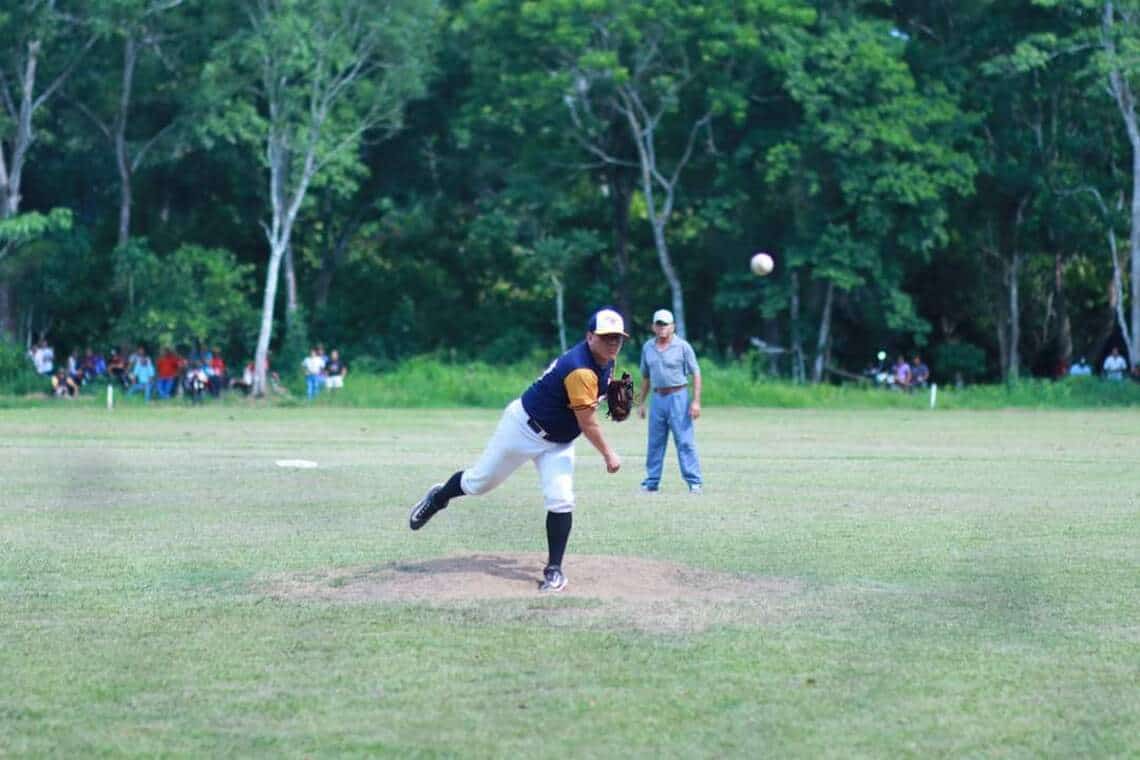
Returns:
(919, 372)
(143, 375)
(196, 382)
(75, 368)
(335, 370)
(62, 384)
(1080, 369)
(93, 365)
(117, 368)
(245, 382)
(1115, 366)
(902, 373)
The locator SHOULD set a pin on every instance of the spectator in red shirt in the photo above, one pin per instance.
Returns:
(169, 364)
(217, 372)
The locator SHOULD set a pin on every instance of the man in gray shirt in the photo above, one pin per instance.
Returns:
(667, 362)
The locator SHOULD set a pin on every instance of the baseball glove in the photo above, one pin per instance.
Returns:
(619, 397)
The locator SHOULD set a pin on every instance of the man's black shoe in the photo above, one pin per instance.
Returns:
(425, 508)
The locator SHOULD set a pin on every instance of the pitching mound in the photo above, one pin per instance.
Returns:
(603, 590)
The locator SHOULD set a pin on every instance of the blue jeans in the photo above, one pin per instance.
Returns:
(144, 387)
(312, 385)
(671, 414)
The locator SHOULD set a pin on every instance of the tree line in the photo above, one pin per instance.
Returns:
(474, 176)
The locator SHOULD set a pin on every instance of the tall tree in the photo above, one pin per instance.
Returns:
(317, 77)
(657, 73)
(43, 45)
(870, 168)
(139, 29)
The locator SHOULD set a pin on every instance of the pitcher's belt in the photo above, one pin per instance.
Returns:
(669, 389)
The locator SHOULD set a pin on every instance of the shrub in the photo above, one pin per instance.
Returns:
(17, 375)
(958, 361)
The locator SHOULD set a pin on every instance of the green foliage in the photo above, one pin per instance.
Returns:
(17, 375)
(894, 151)
(296, 344)
(31, 225)
(958, 361)
(193, 294)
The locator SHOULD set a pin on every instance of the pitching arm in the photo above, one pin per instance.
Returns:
(588, 423)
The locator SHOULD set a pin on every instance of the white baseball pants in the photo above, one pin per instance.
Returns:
(514, 443)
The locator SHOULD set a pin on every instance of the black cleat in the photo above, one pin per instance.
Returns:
(552, 579)
(425, 508)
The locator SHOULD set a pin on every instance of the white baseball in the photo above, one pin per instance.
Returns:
(762, 264)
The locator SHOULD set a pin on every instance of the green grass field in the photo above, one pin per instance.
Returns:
(953, 584)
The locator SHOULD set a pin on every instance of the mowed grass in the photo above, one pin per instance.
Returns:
(966, 584)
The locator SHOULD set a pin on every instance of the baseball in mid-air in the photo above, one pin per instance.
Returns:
(762, 264)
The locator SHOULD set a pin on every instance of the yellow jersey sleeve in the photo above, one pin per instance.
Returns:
(582, 388)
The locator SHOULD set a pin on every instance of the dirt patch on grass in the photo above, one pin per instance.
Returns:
(602, 590)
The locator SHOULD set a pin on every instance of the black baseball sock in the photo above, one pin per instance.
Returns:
(557, 534)
(450, 490)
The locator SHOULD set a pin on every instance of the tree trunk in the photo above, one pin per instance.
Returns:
(1064, 324)
(1013, 273)
(620, 197)
(824, 336)
(1132, 337)
(11, 175)
(678, 296)
(261, 357)
(122, 157)
(798, 370)
(1003, 340)
(290, 284)
(560, 309)
(1126, 103)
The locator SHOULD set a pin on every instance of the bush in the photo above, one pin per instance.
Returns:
(952, 362)
(17, 375)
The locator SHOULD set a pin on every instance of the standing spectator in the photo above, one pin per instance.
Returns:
(324, 363)
(43, 358)
(919, 372)
(142, 374)
(335, 370)
(168, 366)
(1115, 366)
(667, 363)
(314, 372)
(902, 373)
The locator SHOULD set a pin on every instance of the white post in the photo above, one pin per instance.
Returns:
(110, 396)
(933, 394)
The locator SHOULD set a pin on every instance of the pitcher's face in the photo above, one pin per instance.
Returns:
(605, 348)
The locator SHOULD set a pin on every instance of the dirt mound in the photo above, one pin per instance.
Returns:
(602, 590)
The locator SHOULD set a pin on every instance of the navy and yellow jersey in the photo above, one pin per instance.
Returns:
(572, 381)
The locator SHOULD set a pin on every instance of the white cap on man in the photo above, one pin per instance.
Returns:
(663, 317)
(607, 322)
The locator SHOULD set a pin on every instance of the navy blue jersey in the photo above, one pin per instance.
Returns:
(572, 381)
